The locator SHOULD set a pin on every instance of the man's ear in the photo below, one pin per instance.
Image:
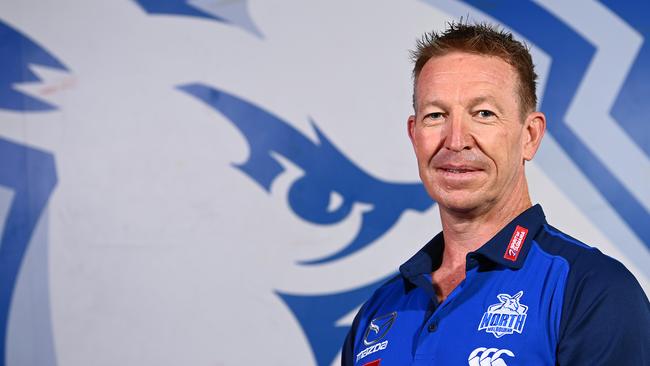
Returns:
(410, 127)
(534, 128)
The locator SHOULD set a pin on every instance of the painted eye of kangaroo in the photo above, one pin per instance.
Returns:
(327, 173)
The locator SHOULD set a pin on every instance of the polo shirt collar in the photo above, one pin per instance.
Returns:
(509, 247)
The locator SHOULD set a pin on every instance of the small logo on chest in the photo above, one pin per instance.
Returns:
(507, 317)
(376, 331)
(488, 357)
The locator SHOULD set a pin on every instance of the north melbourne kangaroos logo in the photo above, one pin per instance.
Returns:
(507, 317)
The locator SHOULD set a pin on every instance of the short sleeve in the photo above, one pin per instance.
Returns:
(347, 352)
(605, 317)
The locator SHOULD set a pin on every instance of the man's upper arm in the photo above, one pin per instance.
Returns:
(347, 352)
(605, 318)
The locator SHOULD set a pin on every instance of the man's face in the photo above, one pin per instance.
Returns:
(469, 136)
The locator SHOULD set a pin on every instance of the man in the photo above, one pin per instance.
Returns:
(498, 286)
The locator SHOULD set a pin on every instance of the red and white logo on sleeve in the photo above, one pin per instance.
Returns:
(516, 242)
(373, 363)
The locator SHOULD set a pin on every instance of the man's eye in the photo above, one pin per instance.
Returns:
(435, 115)
(485, 114)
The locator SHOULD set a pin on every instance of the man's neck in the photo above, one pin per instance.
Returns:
(464, 233)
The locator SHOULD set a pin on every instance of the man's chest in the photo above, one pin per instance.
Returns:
(489, 319)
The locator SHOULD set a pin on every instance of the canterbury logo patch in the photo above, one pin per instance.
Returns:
(488, 357)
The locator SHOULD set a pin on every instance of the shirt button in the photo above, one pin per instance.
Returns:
(433, 327)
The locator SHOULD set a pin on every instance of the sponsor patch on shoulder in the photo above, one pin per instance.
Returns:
(517, 240)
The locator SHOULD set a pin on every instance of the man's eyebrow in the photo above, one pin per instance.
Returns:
(472, 102)
(485, 99)
(435, 103)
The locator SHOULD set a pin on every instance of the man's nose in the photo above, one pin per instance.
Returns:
(457, 135)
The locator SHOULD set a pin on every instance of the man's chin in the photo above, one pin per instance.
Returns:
(460, 203)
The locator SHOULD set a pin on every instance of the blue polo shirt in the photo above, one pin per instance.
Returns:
(532, 295)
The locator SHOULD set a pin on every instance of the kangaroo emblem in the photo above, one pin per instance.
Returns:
(506, 317)
(508, 302)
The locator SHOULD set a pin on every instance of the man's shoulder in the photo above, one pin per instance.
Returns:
(593, 277)
(393, 288)
(583, 259)
(601, 301)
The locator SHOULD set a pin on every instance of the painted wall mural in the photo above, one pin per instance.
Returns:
(211, 182)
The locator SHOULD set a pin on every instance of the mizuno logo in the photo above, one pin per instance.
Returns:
(488, 357)
(507, 317)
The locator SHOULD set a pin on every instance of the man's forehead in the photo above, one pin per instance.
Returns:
(469, 66)
(467, 76)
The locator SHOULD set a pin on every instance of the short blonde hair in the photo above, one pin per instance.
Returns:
(482, 39)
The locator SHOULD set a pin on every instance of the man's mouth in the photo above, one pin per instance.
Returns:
(458, 169)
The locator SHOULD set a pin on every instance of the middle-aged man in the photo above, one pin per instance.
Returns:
(499, 286)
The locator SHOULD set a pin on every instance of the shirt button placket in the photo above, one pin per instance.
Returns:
(428, 347)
